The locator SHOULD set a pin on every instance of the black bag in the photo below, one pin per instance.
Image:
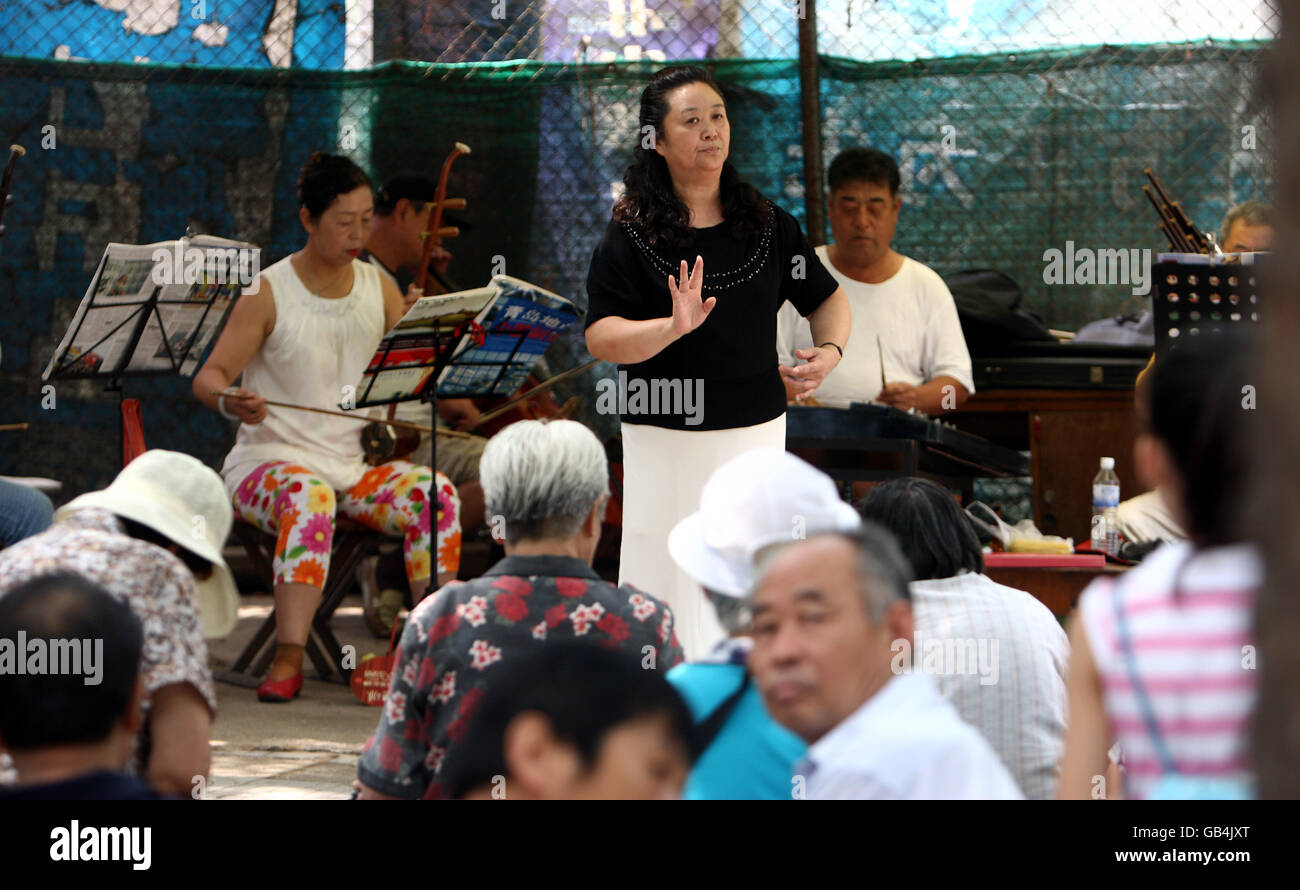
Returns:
(988, 304)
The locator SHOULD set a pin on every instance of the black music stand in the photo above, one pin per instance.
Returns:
(124, 309)
(1200, 298)
(487, 349)
(494, 359)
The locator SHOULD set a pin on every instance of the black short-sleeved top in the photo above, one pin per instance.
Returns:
(734, 351)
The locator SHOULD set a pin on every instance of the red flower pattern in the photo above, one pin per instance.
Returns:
(642, 608)
(665, 625)
(390, 754)
(428, 670)
(571, 587)
(513, 584)
(615, 626)
(584, 616)
(445, 688)
(443, 627)
(450, 644)
(474, 611)
(483, 654)
(511, 607)
(469, 702)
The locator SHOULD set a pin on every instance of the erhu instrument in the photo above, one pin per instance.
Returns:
(386, 440)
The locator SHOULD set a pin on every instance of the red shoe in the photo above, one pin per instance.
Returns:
(280, 690)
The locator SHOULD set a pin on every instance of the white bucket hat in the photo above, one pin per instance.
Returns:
(762, 497)
(179, 497)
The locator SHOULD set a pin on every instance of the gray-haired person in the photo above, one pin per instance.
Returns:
(1246, 228)
(833, 631)
(545, 485)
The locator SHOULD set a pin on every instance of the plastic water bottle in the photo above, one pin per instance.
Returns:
(1105, 500)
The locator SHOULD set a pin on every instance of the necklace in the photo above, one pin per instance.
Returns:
(715, 281)
(317, 292)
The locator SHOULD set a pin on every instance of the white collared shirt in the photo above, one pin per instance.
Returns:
(904, 743)
(972, 624)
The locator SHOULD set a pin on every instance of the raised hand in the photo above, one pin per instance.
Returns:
(689, 307)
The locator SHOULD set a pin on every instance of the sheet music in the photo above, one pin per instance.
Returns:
(448, 310)
(520, 308)
(391, 368)
(191, 304)
(508, 308)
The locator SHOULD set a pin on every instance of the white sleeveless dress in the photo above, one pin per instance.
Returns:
(317, 348)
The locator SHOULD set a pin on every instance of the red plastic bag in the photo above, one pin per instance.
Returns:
(371, 677)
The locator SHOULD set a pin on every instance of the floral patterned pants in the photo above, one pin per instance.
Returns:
(288, 500)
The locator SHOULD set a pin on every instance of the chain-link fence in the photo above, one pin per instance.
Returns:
(1019, 125)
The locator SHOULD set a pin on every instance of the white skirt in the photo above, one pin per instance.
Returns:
(663, 473)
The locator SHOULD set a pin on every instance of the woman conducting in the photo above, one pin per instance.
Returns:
(683, 293)
(303, 335)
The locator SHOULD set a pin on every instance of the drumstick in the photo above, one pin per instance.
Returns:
(6, 427)
(880, 351)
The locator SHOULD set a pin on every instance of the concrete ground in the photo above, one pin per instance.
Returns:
(307, 748)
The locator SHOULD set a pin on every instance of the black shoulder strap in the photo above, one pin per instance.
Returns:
(709, 728)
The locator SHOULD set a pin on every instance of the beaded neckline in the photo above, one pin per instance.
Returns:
(713, 281)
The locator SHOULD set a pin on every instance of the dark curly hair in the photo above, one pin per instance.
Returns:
(649, 201)
(324, 177)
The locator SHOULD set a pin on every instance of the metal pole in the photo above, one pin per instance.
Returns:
(810, 108)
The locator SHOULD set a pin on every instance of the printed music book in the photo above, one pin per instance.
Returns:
(519, 322)
(154, 308)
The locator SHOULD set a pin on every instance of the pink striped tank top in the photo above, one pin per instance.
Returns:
(1194, 654)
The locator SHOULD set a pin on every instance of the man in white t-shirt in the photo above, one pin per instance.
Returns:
(894, 298)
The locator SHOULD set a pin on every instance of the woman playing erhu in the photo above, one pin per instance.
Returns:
(303, 334)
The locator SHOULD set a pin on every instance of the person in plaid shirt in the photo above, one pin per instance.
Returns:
(545, 486)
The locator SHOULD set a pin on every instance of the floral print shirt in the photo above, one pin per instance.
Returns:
(156, 585)
(455, 636)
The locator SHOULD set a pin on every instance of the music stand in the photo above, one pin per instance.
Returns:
(1196, 295)
(486, 351)
(131, 325)
(518, 327)
(464, 352)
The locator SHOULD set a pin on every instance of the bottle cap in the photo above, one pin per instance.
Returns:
(1108, 463)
